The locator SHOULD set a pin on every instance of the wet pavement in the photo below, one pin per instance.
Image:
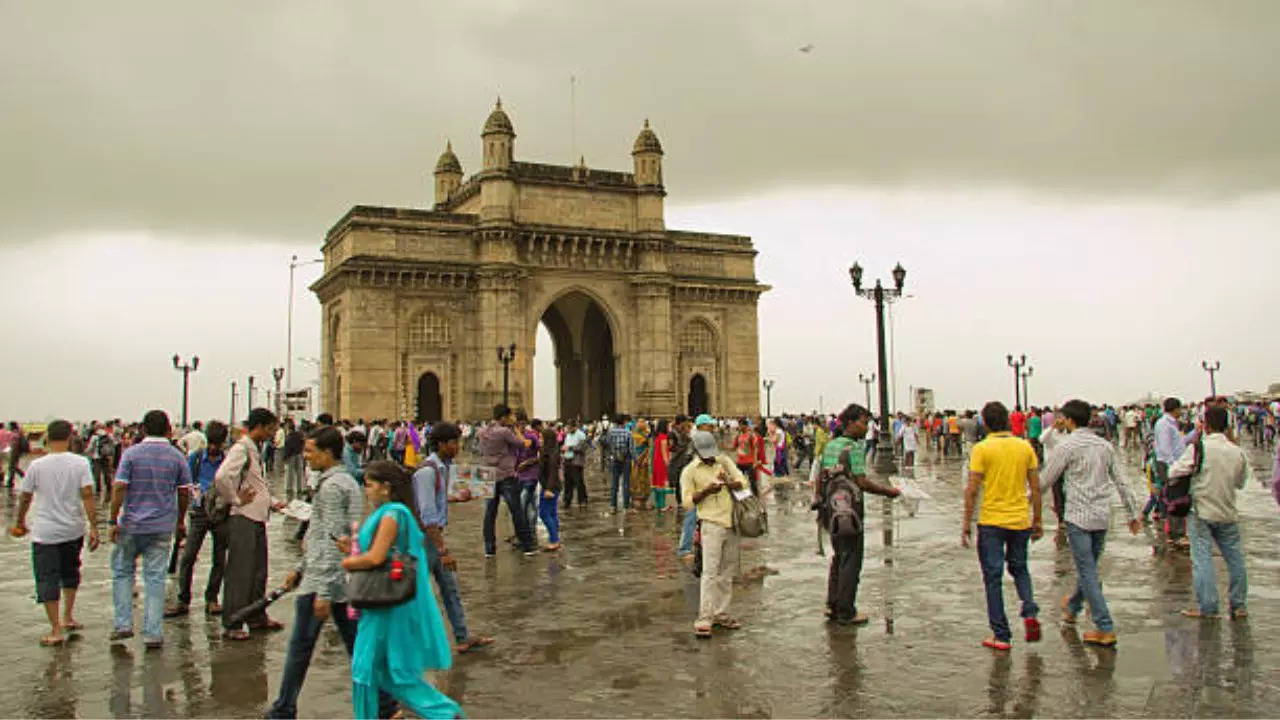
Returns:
(603, 629)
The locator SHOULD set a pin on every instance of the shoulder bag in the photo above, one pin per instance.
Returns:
(392, 583)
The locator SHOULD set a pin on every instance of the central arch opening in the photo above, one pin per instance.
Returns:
(581, 343)
(430, 403)
(698, 395)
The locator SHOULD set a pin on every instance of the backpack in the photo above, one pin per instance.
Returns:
(106, 446)
(1177, 491)
(219, 509)
(680, 460)
(841, 510)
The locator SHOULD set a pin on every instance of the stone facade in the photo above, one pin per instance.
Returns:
(646, 321)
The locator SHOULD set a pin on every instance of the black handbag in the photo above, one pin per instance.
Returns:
(392, 583)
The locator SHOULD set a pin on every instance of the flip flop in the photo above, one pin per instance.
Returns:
(51, 641)
(73, 626)
(269, 626)
(702, 633)
(727, 623)
(473, 642)
(1239, 614)
(236, 635)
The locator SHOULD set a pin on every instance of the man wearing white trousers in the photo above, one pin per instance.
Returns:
(706, 485)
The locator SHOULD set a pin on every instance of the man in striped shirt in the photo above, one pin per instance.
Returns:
(1087, 465)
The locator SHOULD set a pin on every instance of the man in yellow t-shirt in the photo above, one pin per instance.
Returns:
(1004, 467)
(707, 484)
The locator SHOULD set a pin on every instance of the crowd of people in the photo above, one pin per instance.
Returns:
(379, 493)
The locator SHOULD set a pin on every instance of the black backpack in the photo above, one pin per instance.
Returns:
(841, 509)
(1177, 491)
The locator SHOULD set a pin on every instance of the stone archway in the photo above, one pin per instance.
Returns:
(698, 402)
(430, 404)
(583, 340)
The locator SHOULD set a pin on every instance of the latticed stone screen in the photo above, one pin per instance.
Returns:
(698, 338)
(429, 329)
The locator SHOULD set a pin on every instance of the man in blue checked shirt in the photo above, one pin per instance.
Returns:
(431, 488)
(621, 449)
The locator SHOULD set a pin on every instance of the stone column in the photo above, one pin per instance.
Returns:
(653, 371)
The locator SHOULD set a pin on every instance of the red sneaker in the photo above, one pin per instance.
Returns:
(995, 644)
(1032, 626)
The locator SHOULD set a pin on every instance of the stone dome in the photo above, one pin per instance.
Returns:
(647, 141)
(448, 162)
(498, 121)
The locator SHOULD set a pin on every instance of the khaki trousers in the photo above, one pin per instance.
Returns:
(719, 548)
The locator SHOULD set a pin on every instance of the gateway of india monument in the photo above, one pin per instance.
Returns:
(644, 320)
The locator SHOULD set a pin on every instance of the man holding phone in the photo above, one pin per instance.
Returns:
(1004, 467)
(706, 485)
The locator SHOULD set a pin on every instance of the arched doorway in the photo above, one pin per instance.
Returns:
(697, 395)
(582, 337)
(430, 402)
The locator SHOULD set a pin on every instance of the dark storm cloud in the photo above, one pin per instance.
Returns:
(234, 118)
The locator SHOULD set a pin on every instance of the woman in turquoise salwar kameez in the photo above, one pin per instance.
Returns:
(395, 645)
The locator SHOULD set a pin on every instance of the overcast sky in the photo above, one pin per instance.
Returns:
(1094, 184)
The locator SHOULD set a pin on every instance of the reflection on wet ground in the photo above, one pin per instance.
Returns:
(603, 629)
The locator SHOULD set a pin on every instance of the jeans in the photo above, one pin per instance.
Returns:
(1086, 548)
(447, 582)
(573, 482)
(506, 490)
(843, 576)
(529, 503)
(246, 577)
(197, 526)
(1227, 537)
(302, 643)
(548, 510)
(686, 532)
(996, 547)
(294, 477)
(154, 549)
(619, 474)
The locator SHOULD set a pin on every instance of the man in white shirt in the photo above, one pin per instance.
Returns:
(1218, 469)
(194, 441)
(910, 443)
(65, 485)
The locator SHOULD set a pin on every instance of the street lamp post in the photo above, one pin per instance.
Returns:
(768, 398)
(1026, 396)
(293, 265)
(231, 421)
(1213, 375)
(277, 374)
(866, 382)
(506, 356)
(882, 296)
(187, 369)
(249, 395)
(1017, 366)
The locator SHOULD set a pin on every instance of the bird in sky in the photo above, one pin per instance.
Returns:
(807, 48)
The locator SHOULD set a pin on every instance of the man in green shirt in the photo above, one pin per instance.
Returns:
(846, 560)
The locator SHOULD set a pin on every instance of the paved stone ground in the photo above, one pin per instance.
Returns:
(603, 629)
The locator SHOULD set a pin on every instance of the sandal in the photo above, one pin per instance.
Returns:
(72, 626)
(473, 642)
(1068, 617)
(268, 626)
(702, 632)
(1240, 614)
(1195, 614)
(236, 635)
(52, 641)
(995, 644)
(727, 623)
